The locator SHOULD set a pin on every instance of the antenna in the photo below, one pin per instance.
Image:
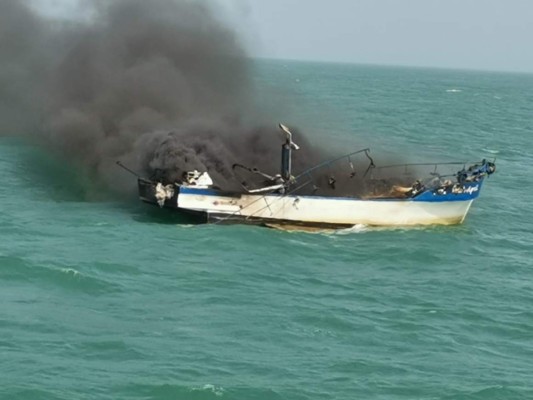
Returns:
(293, 145)
(286, 154)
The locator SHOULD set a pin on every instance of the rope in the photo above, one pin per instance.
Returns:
(244, 208)
(278, 199)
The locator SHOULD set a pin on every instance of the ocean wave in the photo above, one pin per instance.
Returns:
(490, 392)
(112, 350)
(67, 277)
(216, 390)
(70, 271)
(361, 228)
(358, 228)
(30, 393)
(198, 392)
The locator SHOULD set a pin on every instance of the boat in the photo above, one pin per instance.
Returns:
(334, 194)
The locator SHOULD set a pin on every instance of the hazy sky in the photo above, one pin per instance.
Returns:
(474, 34)
(480, 34)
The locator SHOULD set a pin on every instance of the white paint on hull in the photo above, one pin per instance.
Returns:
(334, 211)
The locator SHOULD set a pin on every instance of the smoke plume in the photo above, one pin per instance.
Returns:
(162, 85)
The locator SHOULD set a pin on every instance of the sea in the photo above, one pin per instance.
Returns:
(114, 299)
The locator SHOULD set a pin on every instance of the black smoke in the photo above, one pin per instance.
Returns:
(162, 85)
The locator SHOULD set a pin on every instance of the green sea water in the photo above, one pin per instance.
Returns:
(118, 300)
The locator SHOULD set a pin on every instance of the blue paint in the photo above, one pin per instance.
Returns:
(471, 192)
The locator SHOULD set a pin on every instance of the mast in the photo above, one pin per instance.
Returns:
(286, 154)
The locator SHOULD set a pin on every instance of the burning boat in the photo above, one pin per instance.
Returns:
(314, 198)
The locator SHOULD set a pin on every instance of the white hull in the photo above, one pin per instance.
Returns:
(324, 211)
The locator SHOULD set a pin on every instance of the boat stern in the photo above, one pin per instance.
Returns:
(158, 194)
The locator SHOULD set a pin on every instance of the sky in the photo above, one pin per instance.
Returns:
(466, 34)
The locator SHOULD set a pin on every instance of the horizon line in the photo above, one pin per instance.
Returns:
(392, 65)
